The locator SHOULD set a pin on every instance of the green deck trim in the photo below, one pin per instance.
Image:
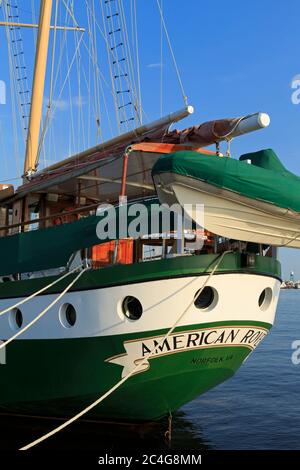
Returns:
(144, 272)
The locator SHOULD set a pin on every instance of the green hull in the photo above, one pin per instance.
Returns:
(67, 375)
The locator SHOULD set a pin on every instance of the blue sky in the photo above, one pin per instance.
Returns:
(235, 58)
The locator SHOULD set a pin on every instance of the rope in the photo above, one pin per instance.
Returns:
(18, 57)
(137, 55)
(135, 88)
(38, 292)
(49, 105)
(134, 371)
(14, 99)
(185, 99)
(53, 109)
(40, 315)
(161, 62)
(104, 35)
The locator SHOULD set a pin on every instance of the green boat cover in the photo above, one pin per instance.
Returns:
(265, 179)
(52, 247)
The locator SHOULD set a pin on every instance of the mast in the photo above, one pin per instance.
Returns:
(38, 88)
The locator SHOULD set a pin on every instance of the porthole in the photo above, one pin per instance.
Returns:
(67, 315)
(132, 308)
(208, 297)
(265, 299)
(16, 319)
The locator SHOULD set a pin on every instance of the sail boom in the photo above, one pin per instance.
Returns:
(126, 138)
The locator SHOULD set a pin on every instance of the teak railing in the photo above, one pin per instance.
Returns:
(50, 217)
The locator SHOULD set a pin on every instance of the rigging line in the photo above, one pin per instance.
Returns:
(21, 71)
(10, 179)
(135, 77)
(45, 127)
(43, 312)
(84, 165)
(40, 291)
(161, 62)
(3, 147)
(129, 75)
(137, 368)
(34, 30)
(79, 97)
(53, 109)
(91, 59)
(96, 65)
(81, 100)
(96, 75)
(62, 46)
(104, 36)
(71, 125)
(109, 52)
(132, 80)
(110, 69)
(90, 81)
(41, 142)
(15, 53)
(185, 98)
(138, 64)
(13, 98)
(87, 82)
(82, 104)
(71, 13)
(53, 54)
(97, 82)
(106, 108)
(92, 46)
(117, 65)
(134, 69)
(89, 95)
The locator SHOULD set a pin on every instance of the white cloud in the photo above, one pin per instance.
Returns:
(2, 92)
(78, 101)
(156, 65)
(64, 105)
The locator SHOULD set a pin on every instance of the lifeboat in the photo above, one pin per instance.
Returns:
(253, 199)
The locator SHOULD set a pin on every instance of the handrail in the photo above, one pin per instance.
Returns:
(49, 217)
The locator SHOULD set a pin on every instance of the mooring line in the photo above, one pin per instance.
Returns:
(40, 315)
(39, 291)
(134, 371)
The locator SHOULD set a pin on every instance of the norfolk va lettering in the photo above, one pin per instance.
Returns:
(137, 350)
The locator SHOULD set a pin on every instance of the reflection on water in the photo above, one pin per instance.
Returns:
(102, 436)
(259, 408)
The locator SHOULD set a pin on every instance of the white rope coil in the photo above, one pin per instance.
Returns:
(134, 371)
